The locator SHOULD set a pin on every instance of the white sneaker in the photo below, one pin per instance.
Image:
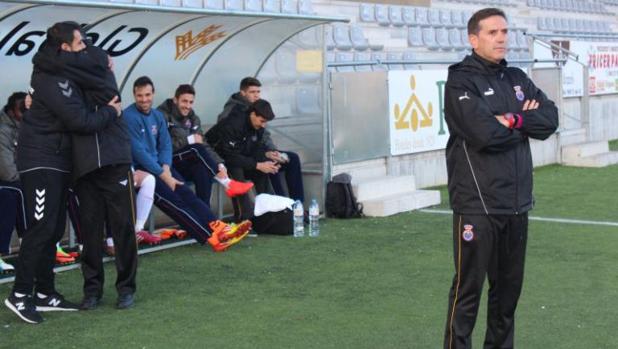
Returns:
(5, 267)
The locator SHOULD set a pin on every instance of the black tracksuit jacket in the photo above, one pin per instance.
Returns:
(111, 145)
(58, 109)
(489, 165)
(181, 127)
(237, 142)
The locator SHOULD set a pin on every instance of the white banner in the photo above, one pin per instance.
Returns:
(416, 111)
(601, 58)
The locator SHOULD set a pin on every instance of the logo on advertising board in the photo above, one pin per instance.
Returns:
(408, 118)
(416, 103)
(187, 44)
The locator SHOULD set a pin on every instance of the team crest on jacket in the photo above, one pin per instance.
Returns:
(153, 130)
(519, 93)
(187, 123)
(468, 234)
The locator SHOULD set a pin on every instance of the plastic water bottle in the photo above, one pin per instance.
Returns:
(299, 215)
(314, 219)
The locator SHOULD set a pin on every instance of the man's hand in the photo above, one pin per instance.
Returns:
(276, 156)
(171, 182)
(115, 103)
(138, 177)
(222, 174)
(272, 155)
(166, 168)
(530, 105)
(110, 63)
(198, 138)
(501, 119)
(267, 167)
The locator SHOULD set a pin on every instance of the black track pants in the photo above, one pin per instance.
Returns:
(491, 246)
(45, 195)
(106, 196)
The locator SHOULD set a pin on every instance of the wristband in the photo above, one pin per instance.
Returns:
(519, 120)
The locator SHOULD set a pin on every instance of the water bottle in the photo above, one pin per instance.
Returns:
(299, 215)
(314, 219)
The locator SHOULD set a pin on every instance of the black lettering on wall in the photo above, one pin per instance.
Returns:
(11, 33)
(18, 49)
(142, 35)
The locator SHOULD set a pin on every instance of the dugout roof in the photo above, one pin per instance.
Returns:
(211, 49)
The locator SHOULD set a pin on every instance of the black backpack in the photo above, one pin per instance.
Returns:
(340, 200)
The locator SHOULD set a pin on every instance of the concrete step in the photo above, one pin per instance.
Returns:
(572, 152)
(597, 160)
(572, 136)
(375, 188)
(402, 202)
(363, 170)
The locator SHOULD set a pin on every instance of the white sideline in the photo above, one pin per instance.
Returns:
(542, 219)
(108, 259)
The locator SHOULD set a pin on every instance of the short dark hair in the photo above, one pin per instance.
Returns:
(62, 33)
(143, 81)
(184, 88)
(248, 82)
(262, 108)
(15, 100)
(478, 16)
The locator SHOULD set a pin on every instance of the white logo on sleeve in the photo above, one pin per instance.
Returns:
(465, 96)
(489, 92)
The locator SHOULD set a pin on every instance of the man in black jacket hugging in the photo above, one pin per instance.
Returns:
(44, 161)
(104, 182)
(102, 174)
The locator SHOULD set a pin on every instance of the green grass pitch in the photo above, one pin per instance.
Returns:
(364, 283)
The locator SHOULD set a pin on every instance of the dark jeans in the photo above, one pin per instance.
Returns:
(292, 174)
(45, 193)
(184, 207)
(195, 164)
(492, 246)
(12, 213)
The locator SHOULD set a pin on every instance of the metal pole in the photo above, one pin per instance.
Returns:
(435, 62)
(327, 158)
(585, 104)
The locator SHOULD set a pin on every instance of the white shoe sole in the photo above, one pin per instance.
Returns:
(44, 309)
(13, 309)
